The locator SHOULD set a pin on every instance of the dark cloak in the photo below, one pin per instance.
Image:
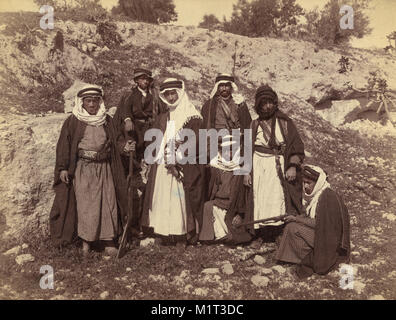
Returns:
(193, 181)
(142, 111)
(208, 112)
(234, 205)
(63, 215)
(293, 154)
(332, 236)
(210, 108)
(238, 201)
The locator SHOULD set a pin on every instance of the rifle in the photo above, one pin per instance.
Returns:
(122, 246)
(237, 234)
(273, 219)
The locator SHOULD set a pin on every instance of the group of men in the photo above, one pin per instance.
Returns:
(185, 202)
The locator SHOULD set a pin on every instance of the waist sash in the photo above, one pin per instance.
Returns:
(93, 156)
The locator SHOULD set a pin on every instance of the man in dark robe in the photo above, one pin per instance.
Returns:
(225, 110)
(274, 185)
(135, 115)
(225, 206)
(90, 188)
(174, 193)
(320, 240)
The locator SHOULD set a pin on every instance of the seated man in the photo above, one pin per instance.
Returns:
(319, 241)
(224, 207)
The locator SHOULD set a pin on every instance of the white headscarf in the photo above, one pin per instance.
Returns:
(221, 163)
(320, 186)
(180, 112)
(237, 97)
(82, 114)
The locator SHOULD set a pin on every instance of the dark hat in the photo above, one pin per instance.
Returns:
(265, 92)
(176, 84)
(310, 173)
(90, 92)
(140, 72)
(225, 77)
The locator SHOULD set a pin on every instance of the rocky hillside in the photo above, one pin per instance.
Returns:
(37, 66)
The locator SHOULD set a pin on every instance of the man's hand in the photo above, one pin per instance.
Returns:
(291, 174)
(130, 146)
(289, 218)
(64, 176)
(128, 125)
(237, 220)
(247, 180)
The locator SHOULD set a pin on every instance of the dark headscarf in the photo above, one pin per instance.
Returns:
(265, 93)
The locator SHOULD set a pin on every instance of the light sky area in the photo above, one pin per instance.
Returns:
(190, 12)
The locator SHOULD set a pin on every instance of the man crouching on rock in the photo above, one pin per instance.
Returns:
(319, 241)
(90, 187)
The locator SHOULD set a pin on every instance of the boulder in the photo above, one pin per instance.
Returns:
(227, 269)
(338, 110)
(24, 258)
(259, 259)
(210, 270)
(13, 251)
(104, 295)
(259, 281)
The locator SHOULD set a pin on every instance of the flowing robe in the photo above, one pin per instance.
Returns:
(63, 215)
(293, 152)
(224, 204)
(318, 244)
(188, 195)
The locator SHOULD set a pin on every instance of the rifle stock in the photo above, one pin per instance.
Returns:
(273, 219)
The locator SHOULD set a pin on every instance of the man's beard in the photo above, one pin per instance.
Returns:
(225, 94)
(265, 115)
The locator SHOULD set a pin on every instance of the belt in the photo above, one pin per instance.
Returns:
(93, 156)
(274, 151)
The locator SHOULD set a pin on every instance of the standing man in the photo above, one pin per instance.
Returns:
(135, 115)
(275, 185)
(174, 195)
(320, 240)
(226, 108)
(90, 187)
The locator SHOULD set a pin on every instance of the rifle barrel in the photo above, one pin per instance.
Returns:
(274, 219)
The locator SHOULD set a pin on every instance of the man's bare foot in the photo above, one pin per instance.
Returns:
(111, 251)
(256, 244)
(85, 248)
(110, 248)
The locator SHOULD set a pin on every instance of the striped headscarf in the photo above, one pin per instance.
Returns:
(320, 186)
(82, 114)
(227, 78)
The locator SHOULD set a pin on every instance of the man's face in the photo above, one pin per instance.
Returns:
(143, 82)
(171, 96)
(91, 104)
(308, 185)
(266, 109)
(225, 89)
